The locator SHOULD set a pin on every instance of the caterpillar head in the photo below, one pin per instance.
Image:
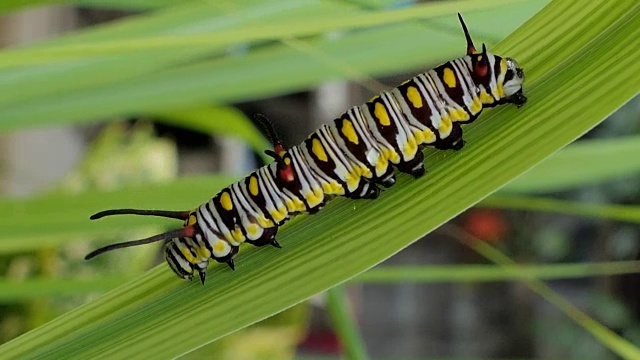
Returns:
(498, 80)
(511, 80)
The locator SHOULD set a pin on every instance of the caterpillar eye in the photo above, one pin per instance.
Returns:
(520, 73)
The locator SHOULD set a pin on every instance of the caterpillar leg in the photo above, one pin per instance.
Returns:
(366, 190)
(452, 142)
(414, 167)
(388, 179)
(268, 238)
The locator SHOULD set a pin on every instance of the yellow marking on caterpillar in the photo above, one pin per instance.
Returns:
(476, 106)
(382, 115)
(350, 132)
(219, 246)
(264, 222)
(449, 77)
(253, 186)
(287, 161)
(381, 164)
(459, 115)
(374, 98)
(486, 98)
(225, 201)
(445, 125)
(352, 180)
(203, 252)
(503, 66)
(500, 91)
(318, 150)
(314, 197)
(192, 219)
(253, 230)
(187, 254)
(279, 214)
(237, 234)
(414, 96)
(410, 147)
(429, 136)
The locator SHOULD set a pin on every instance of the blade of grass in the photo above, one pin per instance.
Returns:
(345, 20)
(343, 324)
(219, 120)
(574, 90)
(65, 216)
(482, 273)
(607, 337)
(626, 213)
(583, 163)
(12, 291)
(266, 72)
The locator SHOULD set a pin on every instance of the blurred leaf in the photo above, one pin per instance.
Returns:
(219, 120)
(51, 220)
(480, 273)
(583, 163)
(152, 81)
(630, 213)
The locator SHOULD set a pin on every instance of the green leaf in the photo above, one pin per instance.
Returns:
(582, 163)
(142, 82)
(581, 66)
(612, 212)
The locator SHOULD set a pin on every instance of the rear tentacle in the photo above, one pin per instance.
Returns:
(187, 231)
(180, 215)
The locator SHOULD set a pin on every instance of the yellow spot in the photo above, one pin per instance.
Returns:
(219, 246)
(429, 136)
(381, 164)
(314, 197)
(374, 98)
(449, 77)
(476, 106)
(503, 66)
(382, 115)
(410, 147)
(391, 155)
(253, 229)
(192, 219)
(225, 201)
(459, 115)
(237, 234)
(264, 222)
(287, 161)
(253, 186)
(500, 91)
(486, 98)
(364, 171)
(279, 214)
(352, 180)
(414, 96)
(291, 207)
(336, 188)
(349, 131)
(203, 252)
(445, 125)
(318, 150)
(187, 254)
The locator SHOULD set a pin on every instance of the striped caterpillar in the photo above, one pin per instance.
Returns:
(349, 157)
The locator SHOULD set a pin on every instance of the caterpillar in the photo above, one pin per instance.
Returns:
(350, 157)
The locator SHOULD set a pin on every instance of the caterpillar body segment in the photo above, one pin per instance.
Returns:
(351, 157)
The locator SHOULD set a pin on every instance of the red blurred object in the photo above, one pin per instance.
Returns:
(486, 224)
